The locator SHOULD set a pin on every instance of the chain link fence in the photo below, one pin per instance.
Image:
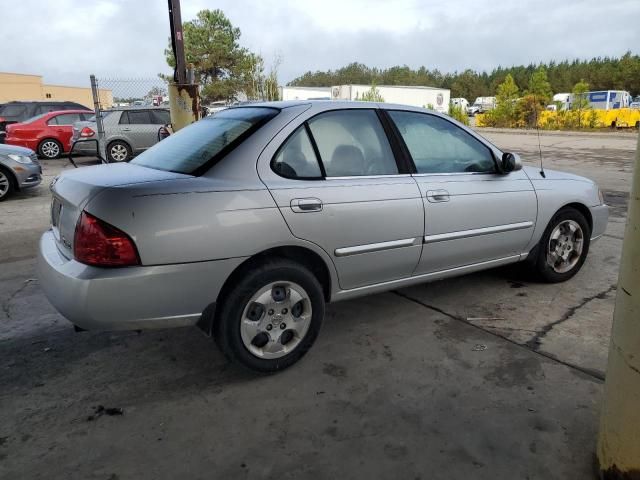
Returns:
(131, 115)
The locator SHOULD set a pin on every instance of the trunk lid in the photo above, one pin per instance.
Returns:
(72, 190)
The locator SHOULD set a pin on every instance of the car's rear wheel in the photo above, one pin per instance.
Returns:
(6, 184)
(119, 151)
(50, 149)
(564, 246)
(271, 317)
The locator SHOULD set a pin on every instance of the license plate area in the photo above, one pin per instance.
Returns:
(56, 212)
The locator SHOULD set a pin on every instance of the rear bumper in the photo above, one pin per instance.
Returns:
(600, 217)
(132, 298)
(84, 147)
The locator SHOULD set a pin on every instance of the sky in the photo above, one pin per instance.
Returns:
(66, 40)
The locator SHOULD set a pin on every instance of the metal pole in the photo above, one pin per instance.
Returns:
(96, 109)
(619, 439)
(177, 41)
(184, 99)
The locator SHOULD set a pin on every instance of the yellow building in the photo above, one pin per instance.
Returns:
(19, 86)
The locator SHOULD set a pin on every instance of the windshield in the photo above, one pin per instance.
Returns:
(192, 147)
(12, 110)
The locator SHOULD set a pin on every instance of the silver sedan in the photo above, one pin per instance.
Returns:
(247, 222)
(19, 170)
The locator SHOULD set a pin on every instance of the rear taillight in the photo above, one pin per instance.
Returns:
(87, 132)
(102, 245)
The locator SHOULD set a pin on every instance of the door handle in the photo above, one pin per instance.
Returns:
(304, 205)
(126, 129)
(435, 196)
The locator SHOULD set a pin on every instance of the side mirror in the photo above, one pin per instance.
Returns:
(510, 162)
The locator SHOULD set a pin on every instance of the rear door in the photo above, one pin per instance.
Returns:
(138, 129)
(472, 213)
(338, 185)
(62, 125)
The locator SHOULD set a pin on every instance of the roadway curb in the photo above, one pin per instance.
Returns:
(625, 134)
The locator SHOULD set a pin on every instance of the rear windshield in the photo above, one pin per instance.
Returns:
(33, 119)
(189, 150)
(104, 114)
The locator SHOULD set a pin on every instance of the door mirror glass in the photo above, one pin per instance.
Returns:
(510, 162)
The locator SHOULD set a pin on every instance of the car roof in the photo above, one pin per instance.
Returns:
(45, 102)
(322, 105)
(77, 110)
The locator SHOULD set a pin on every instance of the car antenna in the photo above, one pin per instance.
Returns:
(535, 106)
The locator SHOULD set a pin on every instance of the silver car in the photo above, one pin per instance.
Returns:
(127, 132)
(19, 169)
(245, 223)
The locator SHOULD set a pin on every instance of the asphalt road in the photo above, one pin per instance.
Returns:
(489, 375)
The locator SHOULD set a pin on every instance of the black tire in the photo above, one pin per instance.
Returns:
(541, 266)
(50, 148)
(227, 324)
(119, 151)
(7, 183)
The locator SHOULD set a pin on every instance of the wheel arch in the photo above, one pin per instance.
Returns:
(583, 209)
(580, 207)
(11, 176)
(299, 254)
(53, 139)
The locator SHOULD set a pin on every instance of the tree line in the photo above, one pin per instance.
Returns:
(601, 73)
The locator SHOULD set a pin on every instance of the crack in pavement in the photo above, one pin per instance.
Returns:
(536, 341)
(588, 371)
(6, 303)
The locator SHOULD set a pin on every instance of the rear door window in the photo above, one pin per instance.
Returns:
(352, 143)
(135, 117)
(296, 158)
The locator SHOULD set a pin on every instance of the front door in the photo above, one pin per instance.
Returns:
(473, 214)
(338, 185)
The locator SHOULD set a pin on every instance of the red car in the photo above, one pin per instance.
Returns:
(49, 134)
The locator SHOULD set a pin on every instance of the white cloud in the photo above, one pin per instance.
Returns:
(69, 39)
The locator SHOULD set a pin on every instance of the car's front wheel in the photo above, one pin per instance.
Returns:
(564, 246)
(6, 184)
(271, 317)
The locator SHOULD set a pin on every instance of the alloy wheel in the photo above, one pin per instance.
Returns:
(275, 320)
(4, 184)
(118, 152)
(565, 246)
(50, 149)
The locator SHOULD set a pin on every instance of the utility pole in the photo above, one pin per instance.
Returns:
(619, 439)
(184, 101)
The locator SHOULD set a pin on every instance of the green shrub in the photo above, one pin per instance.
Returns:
(456, 111)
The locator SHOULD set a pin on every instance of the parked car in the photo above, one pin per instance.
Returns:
(246, 222)
(127, 132)
(19, 111)
(49, 134)
(19, 170)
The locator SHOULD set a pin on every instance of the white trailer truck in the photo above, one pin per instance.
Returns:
(426, 97)
(481, 105)
(305, 93)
